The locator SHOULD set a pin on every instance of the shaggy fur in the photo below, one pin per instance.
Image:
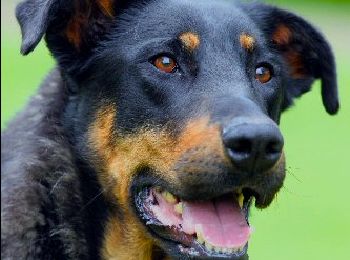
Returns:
(106, 123)
(41, 195)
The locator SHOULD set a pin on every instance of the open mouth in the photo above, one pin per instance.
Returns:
(216, 228)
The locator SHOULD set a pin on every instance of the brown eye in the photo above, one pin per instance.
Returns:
(263, 73)
(165, 64)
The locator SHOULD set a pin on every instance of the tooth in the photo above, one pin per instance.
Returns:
(224, 250)
(240, 200)
(251, 229)
(229, 250)
(200, 238)
(217, 249)
(158, 189)
(170, 198)
(179, 208)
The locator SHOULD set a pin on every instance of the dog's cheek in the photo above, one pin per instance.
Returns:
(118, 158)
(125, 237)
(278, 172)
(271, 183)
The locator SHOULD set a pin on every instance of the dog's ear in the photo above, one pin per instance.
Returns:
(71, 27)
(305, 51)
(71, 20)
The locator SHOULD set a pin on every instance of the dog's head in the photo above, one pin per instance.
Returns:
(175, 105)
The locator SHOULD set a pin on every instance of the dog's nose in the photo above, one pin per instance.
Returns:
(253, 146)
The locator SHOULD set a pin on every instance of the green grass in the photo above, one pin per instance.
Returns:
(20, 76)
(310, 219)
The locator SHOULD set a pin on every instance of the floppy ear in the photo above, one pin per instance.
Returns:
(72, 27)
(305, 51)
(73, 20)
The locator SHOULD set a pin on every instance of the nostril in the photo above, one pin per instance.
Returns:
(253, 147)
(274, 147)
(241, 146)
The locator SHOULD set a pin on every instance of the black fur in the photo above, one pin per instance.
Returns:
(317, 55)
(51, 208)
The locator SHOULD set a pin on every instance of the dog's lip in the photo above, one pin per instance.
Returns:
(184, 243)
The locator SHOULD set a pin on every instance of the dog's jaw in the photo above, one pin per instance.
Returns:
(216, 227)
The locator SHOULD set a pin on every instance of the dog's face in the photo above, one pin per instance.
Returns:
(175, 106)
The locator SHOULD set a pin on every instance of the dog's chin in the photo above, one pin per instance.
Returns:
(216, 228)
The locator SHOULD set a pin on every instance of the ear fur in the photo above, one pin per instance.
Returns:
(33, 17)
(73, 24)
(72, 28)
(306, 53)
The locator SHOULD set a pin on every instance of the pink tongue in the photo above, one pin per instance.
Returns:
(220, 222)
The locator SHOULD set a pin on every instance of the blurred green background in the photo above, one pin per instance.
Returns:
(310, 219)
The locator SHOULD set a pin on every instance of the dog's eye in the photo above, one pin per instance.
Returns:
(263, 73)
(165, 64)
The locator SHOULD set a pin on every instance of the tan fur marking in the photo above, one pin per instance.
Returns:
(124, 241)
(281, 162)
(106, 7)
(122, 158)
(190, 40)
(102, 131)
(73, 30)
(84, 11)
(247, 42)
(296, 64)
(282, 35)
(148, 148)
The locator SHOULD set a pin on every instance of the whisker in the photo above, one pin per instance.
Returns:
(102, 190)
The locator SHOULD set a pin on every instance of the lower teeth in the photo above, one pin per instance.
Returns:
(178, 207)
(215, 249)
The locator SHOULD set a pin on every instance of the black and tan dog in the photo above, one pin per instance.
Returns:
(156, 130)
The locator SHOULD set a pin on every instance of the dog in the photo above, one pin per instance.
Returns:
(157, 130)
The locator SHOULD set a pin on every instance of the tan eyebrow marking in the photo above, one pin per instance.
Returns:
(247, 41)
(190, 40)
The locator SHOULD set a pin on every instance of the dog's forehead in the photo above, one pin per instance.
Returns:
(171, 18)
